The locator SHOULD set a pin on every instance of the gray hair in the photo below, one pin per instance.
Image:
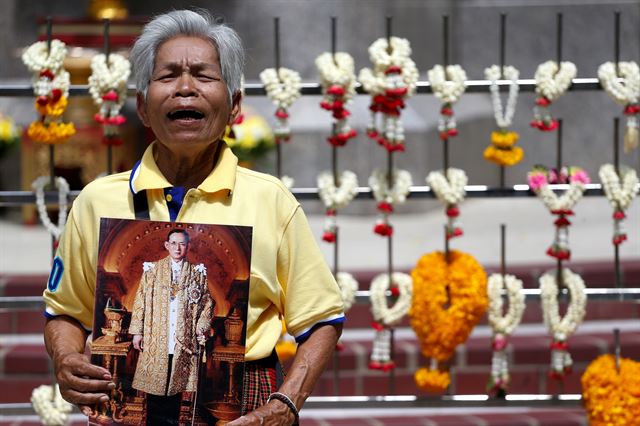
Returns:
(193, 24)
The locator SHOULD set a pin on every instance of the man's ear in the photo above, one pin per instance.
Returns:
(141, 109)
(236, 107)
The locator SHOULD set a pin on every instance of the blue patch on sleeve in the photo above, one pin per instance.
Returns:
(56, 274)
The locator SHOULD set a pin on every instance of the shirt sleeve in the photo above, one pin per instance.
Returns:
(71, 285)
(312, 296)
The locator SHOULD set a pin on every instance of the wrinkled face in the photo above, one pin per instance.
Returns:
(187, 101)
(177, 246)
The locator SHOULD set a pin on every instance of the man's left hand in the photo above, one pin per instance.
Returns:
(275, 413)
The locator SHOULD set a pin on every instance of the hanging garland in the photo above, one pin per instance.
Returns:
(449, 298)
(551, 83)
(386, 317)
(387, 197)
(626, 93)
(287, 181)
(612, 396)
(502, 150)
(51, 88)
(448, 85)
(338, 80)
(283, 88)
(63, 194)
(108, 88)
(562, 328)
(348, 288)
(49, 405)
(450, 191)
(334, 198)
(502, 326)
(390, 83)
(619, 195)
(539, 179)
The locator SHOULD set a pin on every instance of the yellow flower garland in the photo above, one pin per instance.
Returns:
(52, 109)
(612, 398)
(50, 133)
(502, 150)
(438, 328)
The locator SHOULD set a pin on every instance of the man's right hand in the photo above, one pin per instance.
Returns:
(138, 342)
(81, 382)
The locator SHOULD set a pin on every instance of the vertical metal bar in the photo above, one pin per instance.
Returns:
(49, 32)
(52, 167)
(333, 35)
(388, 32)
(616, 166)
(445, 41)
(559, 38)
(107, 52)
(616, 41)
(276, 32)
(503, 42)
(558, 168)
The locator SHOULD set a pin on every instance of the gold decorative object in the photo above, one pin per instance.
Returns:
(107, 9)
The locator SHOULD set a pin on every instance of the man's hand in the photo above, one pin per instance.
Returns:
(81, 382)
(275, 413)
(138, 342)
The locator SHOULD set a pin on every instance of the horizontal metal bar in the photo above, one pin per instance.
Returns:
(363, 193)
(362, 296)
(392, 402)
(257, 89)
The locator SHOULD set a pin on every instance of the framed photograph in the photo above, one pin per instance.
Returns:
(170, 321)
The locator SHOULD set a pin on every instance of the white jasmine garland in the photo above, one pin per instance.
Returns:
(348, 288)
(382, 313)
(337, 197)
(106, 78)
(448, 84)
(381, 351)
(566, 201)
(505, 324)
(337, 70)
(562, 328)
(63, 193)
(287, 181)
(503, 117)
(620, 195)
(36, 59)
(398, 55)
(43, 86)
(449, 189)
(397, 194)
(49, 405)
(283, 87)
(551, 81)
(626, 91)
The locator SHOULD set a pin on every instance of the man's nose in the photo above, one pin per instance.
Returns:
(185, 85)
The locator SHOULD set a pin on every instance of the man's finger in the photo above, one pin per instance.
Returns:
(81, 398)
(82, 384)
(80, 366)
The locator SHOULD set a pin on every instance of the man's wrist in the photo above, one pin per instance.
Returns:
(288, 404)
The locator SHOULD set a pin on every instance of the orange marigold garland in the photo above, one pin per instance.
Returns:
(612, 397)
(51, 87)
(462, 284)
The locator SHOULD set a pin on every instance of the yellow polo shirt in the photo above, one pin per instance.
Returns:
(289, 277)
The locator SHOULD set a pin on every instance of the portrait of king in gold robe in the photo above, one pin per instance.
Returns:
(171, 321)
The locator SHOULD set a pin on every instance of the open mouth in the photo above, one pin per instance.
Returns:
(185, 114)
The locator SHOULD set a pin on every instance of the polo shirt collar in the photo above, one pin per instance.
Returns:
(146, 174)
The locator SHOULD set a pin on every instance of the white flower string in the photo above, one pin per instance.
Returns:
(620, 196)
(385, 317)
(503, 116)
(338, 80)
(283, 88)
(503, 325)
(539, 179)
(450, 191)
(387, 197)
(448, 85)
(63, 193)
(625, 92)
(551, 83)
(348, 288)
(108, 88)
(49, 405)
(51, 88)
(287, 181)
(390, 83)
(334, 198)
(562, 328)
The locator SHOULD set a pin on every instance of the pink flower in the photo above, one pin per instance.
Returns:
(580, 176)
(537, 180)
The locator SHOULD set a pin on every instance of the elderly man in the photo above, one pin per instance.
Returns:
(188, 70)
(171, 317)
